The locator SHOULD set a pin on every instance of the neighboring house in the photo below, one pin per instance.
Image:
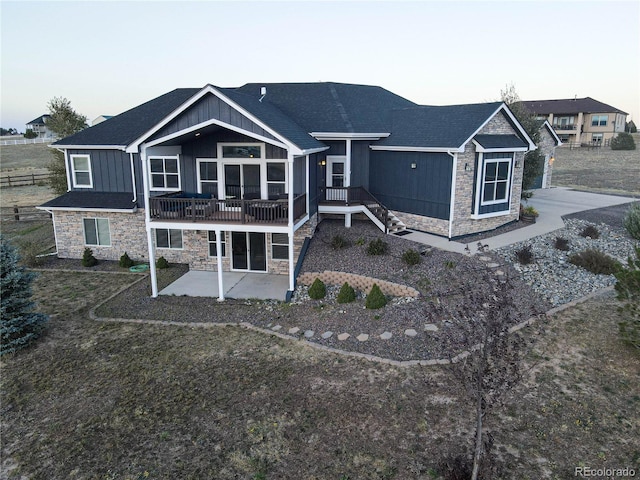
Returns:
(580, 121)
(100, 119)
(39, 126)
(547, 144)
(238, 178)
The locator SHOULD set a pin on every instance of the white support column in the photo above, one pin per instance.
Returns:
(291, 219)
(219, 259)
(306, 186)
(347, 164)
(147, 221)
(67, 167)
(452, 200)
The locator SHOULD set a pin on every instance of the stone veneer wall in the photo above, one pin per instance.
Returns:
(127, 235)
(358, 282)
(463, 224)
(436, 226)
(547, 146)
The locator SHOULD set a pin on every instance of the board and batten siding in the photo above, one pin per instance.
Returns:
(424, 190)
(208, 108)
(360, 164)
(110, 170)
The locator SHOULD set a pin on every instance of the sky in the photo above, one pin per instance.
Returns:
(106, 57)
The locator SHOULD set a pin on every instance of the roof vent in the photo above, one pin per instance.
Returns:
(263, 92)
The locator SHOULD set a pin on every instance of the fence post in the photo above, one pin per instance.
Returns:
(9, 179)
(16, 214)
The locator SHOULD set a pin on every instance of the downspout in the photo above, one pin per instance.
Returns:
(66, 167)
(133, 181)
(147, 224)
(452, 202)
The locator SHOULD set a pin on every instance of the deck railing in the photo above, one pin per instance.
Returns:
(177, 207)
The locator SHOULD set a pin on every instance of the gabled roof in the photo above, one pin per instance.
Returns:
(569, 106)
(332, 107)
(40, 120)
(489, 142)
(438, 127)
(123, 129)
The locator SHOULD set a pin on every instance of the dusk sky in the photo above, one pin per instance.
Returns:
(107, 57)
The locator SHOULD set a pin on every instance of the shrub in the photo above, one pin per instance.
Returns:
(376, 298)
(590, 231)
(317, 290)
(125, 261)
(561, 244)
(595, 262)
(632, 221)
(361, 241)
(377, 247)
(19, 325)
(623, 141)
(530, 210)
(347, 294)
(628, 290)
(338, 242)
(88, 260)
(162, 263)
(29, 254)
(30, 134)
(411, 257)
(524, 255)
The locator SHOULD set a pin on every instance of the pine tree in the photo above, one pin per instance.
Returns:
(19, 325)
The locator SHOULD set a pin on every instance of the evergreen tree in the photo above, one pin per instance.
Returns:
(19, 325)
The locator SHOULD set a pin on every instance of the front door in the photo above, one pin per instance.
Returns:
(249, 251)
(336, 178)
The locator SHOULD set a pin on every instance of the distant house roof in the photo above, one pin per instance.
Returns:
(569, 106)
(82, 200)
(40, 120)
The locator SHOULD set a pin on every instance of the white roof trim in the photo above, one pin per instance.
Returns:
(416, 149)
(88, 147)
(214, 121)
(87, 209)
(311, 151)
(480, 148)
(134, 146)
(503, 106)
(345, 135)
(552, 132)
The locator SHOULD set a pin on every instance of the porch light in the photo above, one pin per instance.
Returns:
(322, 163)
(413, 166)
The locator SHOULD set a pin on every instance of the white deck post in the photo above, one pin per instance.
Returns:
(147, 220)
(219, 259)
(290, 225)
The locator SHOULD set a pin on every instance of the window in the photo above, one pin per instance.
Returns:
(280, 246)
(96, 231)
(599, 120)
(165, 173)
(212, 244)
(81, 171)
(241, 151)
(496, 178)
(208, 177)
(276, 175)
(166, 238)
(596, 138)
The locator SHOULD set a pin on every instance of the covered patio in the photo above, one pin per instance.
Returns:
(199, 283)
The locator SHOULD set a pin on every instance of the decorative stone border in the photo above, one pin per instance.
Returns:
(359, 282)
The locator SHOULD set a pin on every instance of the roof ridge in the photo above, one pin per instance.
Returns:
(341, 110)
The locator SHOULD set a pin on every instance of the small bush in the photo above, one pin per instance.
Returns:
(29, 252)
(377, 247)
(347, 294)
(125, 261)
(30, 134)
(632, 221)
(162, 263)
(376, 298)
(628, 290)
(338, 242)
(595, 262)
(88, 260)
(623, 141)
(317, 290)
(561, 244)
(590, 231)
(411, 257)
(524, 255)
(361, 241)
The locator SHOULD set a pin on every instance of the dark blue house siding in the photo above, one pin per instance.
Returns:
(207, 108)
(425, 190)
(360, 164)
(316, 173)
(336, 147)
(111, 170)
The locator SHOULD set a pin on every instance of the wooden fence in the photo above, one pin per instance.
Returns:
(23, 180)
(22, 213)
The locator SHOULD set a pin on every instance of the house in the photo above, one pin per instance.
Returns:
(100, 119)
(39, 126)
(236, 179)
(580, 121)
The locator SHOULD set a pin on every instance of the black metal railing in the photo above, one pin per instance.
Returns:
(355, 196)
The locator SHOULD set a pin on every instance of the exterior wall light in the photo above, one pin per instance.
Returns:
(414, 166)
(322, 163)
(467, 167)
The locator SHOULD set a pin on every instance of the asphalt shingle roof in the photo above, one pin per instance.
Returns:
(89, 200)
(569, 106)
(500, 141)
(438, 126)
(40, 120)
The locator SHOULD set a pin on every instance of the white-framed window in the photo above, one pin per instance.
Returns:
(81, 171)
(599, 120)
(280, 246)
(164, 173)
(596, 138)
(276, 178)
(242, 151)
(496, 178)
(96, 231)
(213, 252)
(169, 238)
(208, 177)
